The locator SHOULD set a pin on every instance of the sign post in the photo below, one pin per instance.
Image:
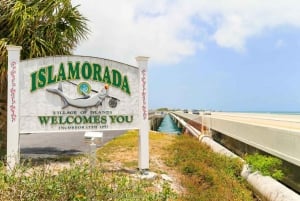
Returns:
(13, 95)
(143, 163)
(93, 146)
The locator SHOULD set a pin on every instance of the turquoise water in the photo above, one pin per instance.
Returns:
(168, 126)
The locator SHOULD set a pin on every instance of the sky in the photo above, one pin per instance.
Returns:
(223, 55)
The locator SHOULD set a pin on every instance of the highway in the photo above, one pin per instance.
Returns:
(280, 121)
(49, 145)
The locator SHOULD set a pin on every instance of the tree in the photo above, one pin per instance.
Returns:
(42, 28)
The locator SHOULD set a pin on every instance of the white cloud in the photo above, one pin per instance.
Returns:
(169, 30)
(244, 19)
(123, 30)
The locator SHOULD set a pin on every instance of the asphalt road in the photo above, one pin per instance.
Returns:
(280, 121)
(49, 145)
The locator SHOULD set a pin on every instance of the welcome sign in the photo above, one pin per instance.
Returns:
(77, 94)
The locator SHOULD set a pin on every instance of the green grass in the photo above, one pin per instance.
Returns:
(202, 174)
(205, 174)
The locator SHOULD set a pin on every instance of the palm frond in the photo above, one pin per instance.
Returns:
(42, 28)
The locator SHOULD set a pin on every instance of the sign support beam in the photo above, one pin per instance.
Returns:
(143, 163)
(13, 96)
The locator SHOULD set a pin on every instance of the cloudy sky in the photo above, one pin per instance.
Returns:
(227, 55)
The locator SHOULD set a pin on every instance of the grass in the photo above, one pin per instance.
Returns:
(196, 172)
(80, 182)
(205, 174)
(200, 173)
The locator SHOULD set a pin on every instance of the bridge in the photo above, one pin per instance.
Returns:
(278, 135)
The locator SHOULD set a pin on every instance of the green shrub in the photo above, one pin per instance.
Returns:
(266, 165)
(80, 182)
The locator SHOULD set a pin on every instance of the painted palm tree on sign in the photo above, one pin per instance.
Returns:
(42, 28)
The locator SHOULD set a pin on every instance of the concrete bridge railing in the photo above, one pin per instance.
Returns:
(282, 143)
(278, 141)
(266, 186)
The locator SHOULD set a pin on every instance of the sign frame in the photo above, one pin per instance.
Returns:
(28, 80)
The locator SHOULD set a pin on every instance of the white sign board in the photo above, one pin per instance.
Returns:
(74, 93)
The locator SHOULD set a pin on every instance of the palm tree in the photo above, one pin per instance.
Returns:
(42, 28)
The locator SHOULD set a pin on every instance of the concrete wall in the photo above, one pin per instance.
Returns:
(279, 142)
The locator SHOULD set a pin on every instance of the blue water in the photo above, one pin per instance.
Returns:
(168, 126)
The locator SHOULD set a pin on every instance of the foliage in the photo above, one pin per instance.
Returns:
(42, 28)
(205, 174)
(79, 183)
(163, 109)
(202, 174)
(266, 165)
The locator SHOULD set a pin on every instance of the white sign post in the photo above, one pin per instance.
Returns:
(93, 147)
(143, 163)
(13, 95)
